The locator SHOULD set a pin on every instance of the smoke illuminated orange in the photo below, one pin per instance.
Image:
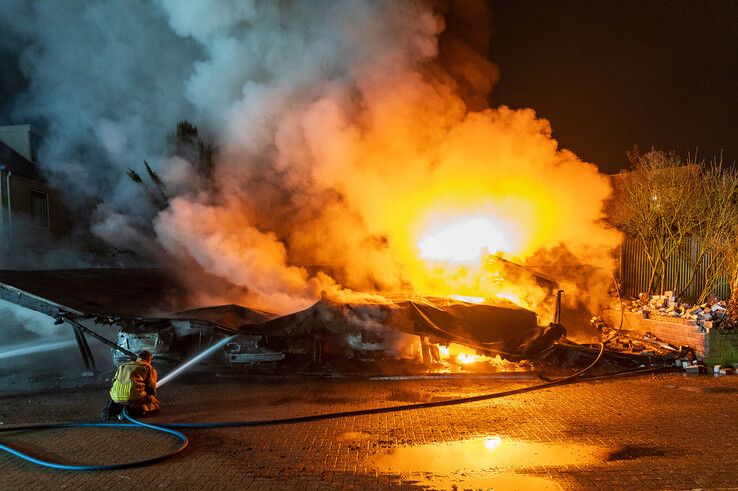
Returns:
(386, 176)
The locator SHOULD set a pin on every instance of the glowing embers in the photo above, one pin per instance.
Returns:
(456, 353)
(463, 356)
(465, 240)
(466, 358)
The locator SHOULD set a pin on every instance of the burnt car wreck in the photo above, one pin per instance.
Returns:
(106, 306)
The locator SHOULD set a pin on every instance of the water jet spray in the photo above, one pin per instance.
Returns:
(29, 349)
(188, 364)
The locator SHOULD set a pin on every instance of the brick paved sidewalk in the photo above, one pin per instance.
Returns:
(653, 432)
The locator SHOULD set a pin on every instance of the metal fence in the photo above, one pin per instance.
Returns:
(635, 272)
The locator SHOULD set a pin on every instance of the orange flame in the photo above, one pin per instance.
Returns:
(457, 354)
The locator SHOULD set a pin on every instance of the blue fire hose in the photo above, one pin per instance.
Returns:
(134, 424)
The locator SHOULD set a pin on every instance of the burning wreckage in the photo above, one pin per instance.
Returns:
(397, 334)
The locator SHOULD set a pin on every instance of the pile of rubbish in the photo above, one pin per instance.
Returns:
(628, 342)
(709, 315)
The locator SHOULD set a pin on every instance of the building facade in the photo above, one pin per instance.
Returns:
(32, 215)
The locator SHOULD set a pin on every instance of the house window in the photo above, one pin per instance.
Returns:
(40, 209)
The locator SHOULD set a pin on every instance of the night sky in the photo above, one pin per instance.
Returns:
(610, 75)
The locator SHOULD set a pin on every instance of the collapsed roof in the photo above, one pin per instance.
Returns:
(496, 328)
(134, 294)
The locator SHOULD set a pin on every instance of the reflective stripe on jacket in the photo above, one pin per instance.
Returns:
(132, 381)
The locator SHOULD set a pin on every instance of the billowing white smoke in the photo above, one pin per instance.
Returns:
(107, 80)
(331, 119)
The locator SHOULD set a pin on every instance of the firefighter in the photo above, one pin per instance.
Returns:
(134, 387)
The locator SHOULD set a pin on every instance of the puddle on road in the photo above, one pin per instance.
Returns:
(488, 463)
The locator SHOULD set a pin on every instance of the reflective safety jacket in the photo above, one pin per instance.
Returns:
(133, 381)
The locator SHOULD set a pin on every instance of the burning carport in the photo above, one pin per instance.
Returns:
(140, 305)
(384, 332)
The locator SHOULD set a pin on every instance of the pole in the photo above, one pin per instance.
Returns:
(557, 314)
(95, 335)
